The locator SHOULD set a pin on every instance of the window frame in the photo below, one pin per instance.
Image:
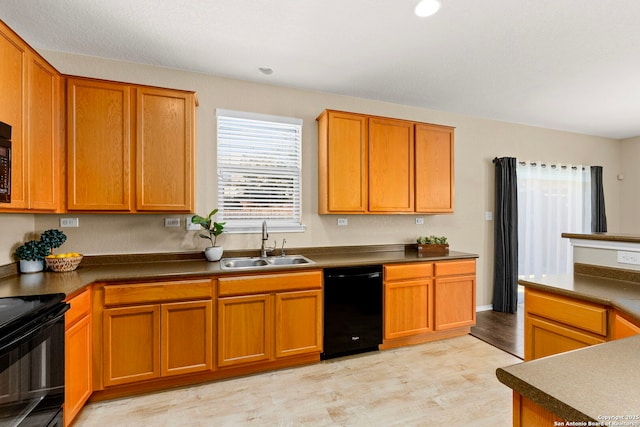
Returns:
(252, 225)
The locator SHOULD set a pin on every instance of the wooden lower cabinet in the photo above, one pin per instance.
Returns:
(427, 301)
(131, 343)
(526, 413)
(78, 355)
(186, 337)
(455, 294)
(298, 323)
(244, 329)
(408, 300)
(152, 330)
(555, 324)
(262, 318)
(623, 327)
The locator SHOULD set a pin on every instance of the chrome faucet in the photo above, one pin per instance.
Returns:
(265, 236)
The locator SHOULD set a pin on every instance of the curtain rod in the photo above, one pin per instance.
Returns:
(544, 165)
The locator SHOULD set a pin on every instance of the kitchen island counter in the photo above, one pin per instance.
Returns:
(194, 265)
(597, 384)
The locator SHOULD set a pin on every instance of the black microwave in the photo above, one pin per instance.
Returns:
(5, 163)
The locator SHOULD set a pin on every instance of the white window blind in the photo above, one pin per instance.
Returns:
(259, 171)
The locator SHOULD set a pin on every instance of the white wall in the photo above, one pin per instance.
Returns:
(477, 142)
(629, 186)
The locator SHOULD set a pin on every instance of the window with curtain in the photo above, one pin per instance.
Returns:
(552, 199)
(259, 171)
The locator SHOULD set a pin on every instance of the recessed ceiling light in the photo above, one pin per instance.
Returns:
(265, 70)
(427, 8)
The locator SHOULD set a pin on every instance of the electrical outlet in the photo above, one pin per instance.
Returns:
(190, 225)
(419, 221)
(172, 222)
(69, 222)
(343, 221)
(625, 257)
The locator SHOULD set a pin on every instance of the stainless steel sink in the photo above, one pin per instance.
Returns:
(258, 263)
(288, 260)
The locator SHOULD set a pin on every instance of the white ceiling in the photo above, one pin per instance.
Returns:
(564, 64)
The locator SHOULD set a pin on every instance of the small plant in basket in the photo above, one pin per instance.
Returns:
(67, 261)
(432, 245)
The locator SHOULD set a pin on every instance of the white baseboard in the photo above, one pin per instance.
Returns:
(484, 307)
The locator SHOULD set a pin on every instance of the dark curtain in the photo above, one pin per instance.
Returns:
(598, 213)
(505, 270)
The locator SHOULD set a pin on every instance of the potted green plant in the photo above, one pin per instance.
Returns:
(53, 239)
(213, 229)
(432, 245)
(31, 256)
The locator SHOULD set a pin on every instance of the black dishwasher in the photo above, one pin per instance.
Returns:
(352, 310)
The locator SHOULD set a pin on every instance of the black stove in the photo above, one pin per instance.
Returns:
(32, 360)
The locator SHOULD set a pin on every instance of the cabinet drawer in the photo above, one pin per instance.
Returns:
(135, 293)
(455, 267)
(582, 315)
(408, 271)
(80, 307)
(256, 284)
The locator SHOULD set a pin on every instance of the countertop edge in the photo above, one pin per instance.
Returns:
(539, 397)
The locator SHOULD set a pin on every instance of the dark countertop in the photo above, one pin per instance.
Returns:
(610, 237)
(583, 385)
(594, 382)
(72, 282)
(621, 294)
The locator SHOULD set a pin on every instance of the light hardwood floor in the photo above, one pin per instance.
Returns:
(445, 383)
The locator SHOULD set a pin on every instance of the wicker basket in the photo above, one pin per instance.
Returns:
(63, 264)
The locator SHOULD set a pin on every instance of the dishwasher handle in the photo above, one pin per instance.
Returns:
(349, 275)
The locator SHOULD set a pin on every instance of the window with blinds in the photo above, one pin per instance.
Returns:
(259, 171)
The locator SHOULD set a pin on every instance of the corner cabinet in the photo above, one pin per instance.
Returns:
(378, 165)
(31, 103)
(130, 148)
(266, 317)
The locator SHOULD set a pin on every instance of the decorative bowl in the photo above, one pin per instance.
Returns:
(63, 264)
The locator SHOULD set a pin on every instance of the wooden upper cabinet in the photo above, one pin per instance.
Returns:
(342, 169)
(130, 148)
(31, 103)
(13, 80)
(377, 165)
(434, 168)
(164, 150)
(391, 176)
(43, 134)
(98, 146)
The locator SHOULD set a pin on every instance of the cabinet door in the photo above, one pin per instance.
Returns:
(13, 81)
(78, 365)
(43, 136)
(165, 150)
(408, 308)
(185, 352)
(391, 165)
(298, 327)
(342, 163)
(98, 146)
(434, 169)
(455, 302)
(245, 326)
(544, 338)
(623, 328)
(131, 344)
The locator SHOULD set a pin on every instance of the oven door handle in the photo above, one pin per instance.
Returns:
(50, 318)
